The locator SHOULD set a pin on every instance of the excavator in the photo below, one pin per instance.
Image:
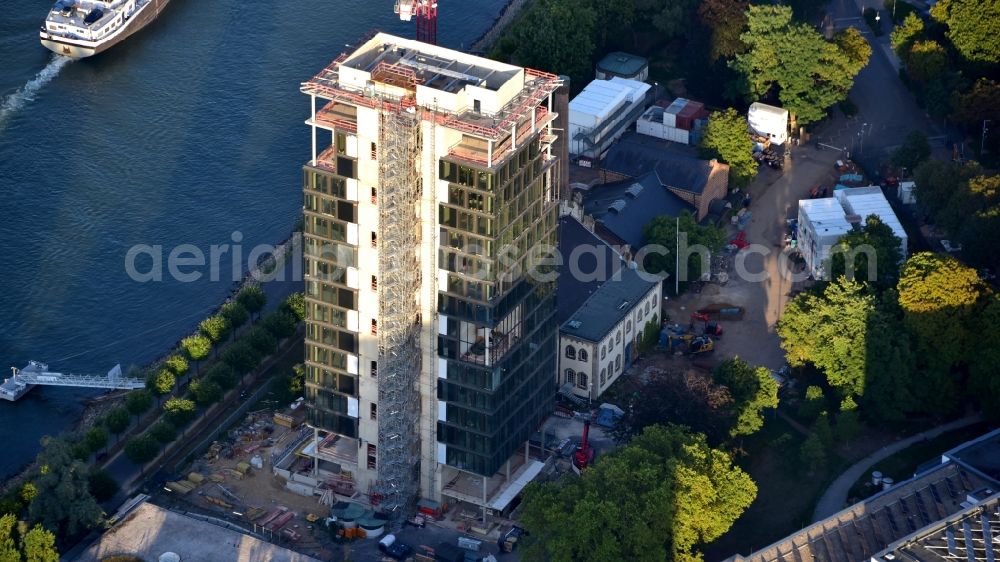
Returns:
(690, 344)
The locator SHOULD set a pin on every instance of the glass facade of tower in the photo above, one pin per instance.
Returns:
(330, 246)
(498, 331)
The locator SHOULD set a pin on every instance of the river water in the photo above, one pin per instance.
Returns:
(186, 133)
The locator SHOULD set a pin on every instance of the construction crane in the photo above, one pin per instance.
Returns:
(426, 12)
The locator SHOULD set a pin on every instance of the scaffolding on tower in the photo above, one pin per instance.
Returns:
(399, 309)
(426, 14)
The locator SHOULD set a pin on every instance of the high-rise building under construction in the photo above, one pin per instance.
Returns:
(430, 350)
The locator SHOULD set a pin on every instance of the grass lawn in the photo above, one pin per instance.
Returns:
(902, 465)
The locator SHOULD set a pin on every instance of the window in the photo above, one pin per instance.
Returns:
(647, 307)
(374, 327)
(654, 301)
(618, 362)
(604, 351)
(374, 411)
(371, 456)
(581, 380)
(570, 376)
(374, 152)
(618, 337)
(374, 240)
(628, 327)
(374, 283)
(374, 368)
(570, 352)
(374, 197)
(604, 372)
(582, 356)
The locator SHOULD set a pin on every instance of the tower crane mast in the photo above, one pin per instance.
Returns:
(425, 12)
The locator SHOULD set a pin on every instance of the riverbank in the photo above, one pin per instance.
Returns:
(499, 25)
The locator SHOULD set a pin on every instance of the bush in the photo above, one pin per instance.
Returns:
(142, 449)
(179, 411)
(102, 485)
(163, 432)
(223, 375)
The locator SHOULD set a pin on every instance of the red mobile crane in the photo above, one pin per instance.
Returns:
(584, 456)
(426, 12)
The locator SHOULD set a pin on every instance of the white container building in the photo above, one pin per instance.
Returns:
(768, 121)
(602, 112)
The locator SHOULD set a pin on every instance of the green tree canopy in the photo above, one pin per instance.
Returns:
(241, 357)
(727, 139)
(892, 386)
(196, 347)
(40, 545)
(662, 231)
(657, 498)
(726, 19)
(261, 341)
(117, 420)
(553, 35)
(683, 398)
(280, 324)
(296, 305)
(874, 252)
(753, 390)
(927, 60)
(95, 438)
(252, 298)
(142, 449)
(235, 314)
(176, 365)
(179, 411)
(940, 298)
(829, 330)
(103, 486)
(63, 502)
(205, 392)
(163, 432)
(161, 382)
(980, 103)
(222, 375)
(904, 36)
(215, 328)
(138, 401)
(973, 27)
(808, 73)
(914, 150)
(8, 539)
(984, 380)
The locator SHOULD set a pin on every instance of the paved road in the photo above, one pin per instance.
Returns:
(835, 497)
(887, 110)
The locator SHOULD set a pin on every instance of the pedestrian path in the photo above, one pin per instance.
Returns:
(835, 496)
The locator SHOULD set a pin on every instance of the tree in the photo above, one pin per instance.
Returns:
(8, 539)
(216, 328)
(241, 357)
(829, 330)
(812, 453)
(980, 103)
(63, 502)
(138, 401)
(984, 382)
(163, 432)
(726, 19)
(976, 222)
(892, 386)
(753, 389)
(222, 375)
(904, 36)
(936, 184)
(848, 422)
(726, 138)
(821, 429)
(161, 382)
(117, 420)
(940, 298)
(666, 491)
(553, 35)
(235, 314)
(261, 341)
(205, 392)
(814, 403)
(855, 47)
(280, 324)
(103, 486)
(928, 60)
(874, 252)
(176, 365)
(252, 298)
(684, 398)
(914, 150)
(196, 348)
(40, 545)
(95, 439)
(179, 411)
(663, 231)
(672, 19)
(791, 59)
(296, 305)
(142, 449)
(972, 28)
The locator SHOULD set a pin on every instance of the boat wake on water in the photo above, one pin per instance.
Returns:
(16, 101)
